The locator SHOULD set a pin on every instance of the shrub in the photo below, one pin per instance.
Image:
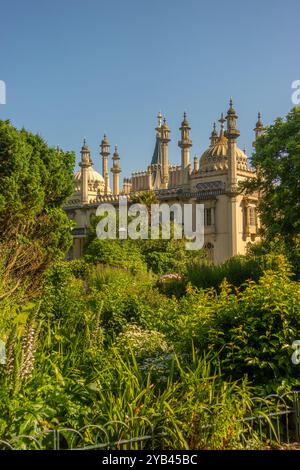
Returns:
(236, 271)
(119, 253)
(250, 330)
(168, 256)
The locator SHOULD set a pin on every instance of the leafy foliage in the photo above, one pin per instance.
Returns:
(35, 181)
(236, 270)
(277, 161)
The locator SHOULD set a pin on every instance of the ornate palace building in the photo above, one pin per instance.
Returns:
(230, 218)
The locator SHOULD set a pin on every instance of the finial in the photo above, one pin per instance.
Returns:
(165, 120)
(231, 110)
(259, 121)
(222, 120)
(84, 145)
(185, 122)
(214, 132)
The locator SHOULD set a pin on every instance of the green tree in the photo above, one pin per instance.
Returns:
(277, 161)
(35, 181)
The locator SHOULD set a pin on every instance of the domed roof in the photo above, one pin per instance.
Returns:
(93, 176)
(215, 157)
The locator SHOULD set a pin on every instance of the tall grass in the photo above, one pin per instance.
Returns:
(195, 408)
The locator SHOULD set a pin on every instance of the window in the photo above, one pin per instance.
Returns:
(245, 217)
(252, 216)
(208, 216)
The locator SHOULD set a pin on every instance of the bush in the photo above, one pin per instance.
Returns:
(277, 247)
(120, 253)
(250, 330)
(168, 256)
(236, 271)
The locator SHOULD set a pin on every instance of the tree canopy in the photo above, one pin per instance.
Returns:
(35, 181)
(277, 161)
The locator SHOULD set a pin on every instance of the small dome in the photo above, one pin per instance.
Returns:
(215, 157)
(93, 176)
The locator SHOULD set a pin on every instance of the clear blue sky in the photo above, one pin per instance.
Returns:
(79, 68)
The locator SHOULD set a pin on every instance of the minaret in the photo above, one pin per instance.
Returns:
(104, 146)
(214, 135)
(185, 144)
(165, 139)
(85, 164)
(232, 133)
(259, 128)
(116, 170)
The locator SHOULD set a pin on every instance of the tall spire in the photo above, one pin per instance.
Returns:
(105, 152)
(116, 170)
(165, 139)
(185, 144)
(85, 164)
(232, 134)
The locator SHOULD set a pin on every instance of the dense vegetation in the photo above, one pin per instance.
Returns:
(277, 161)
(137, 338)
(35, 181)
